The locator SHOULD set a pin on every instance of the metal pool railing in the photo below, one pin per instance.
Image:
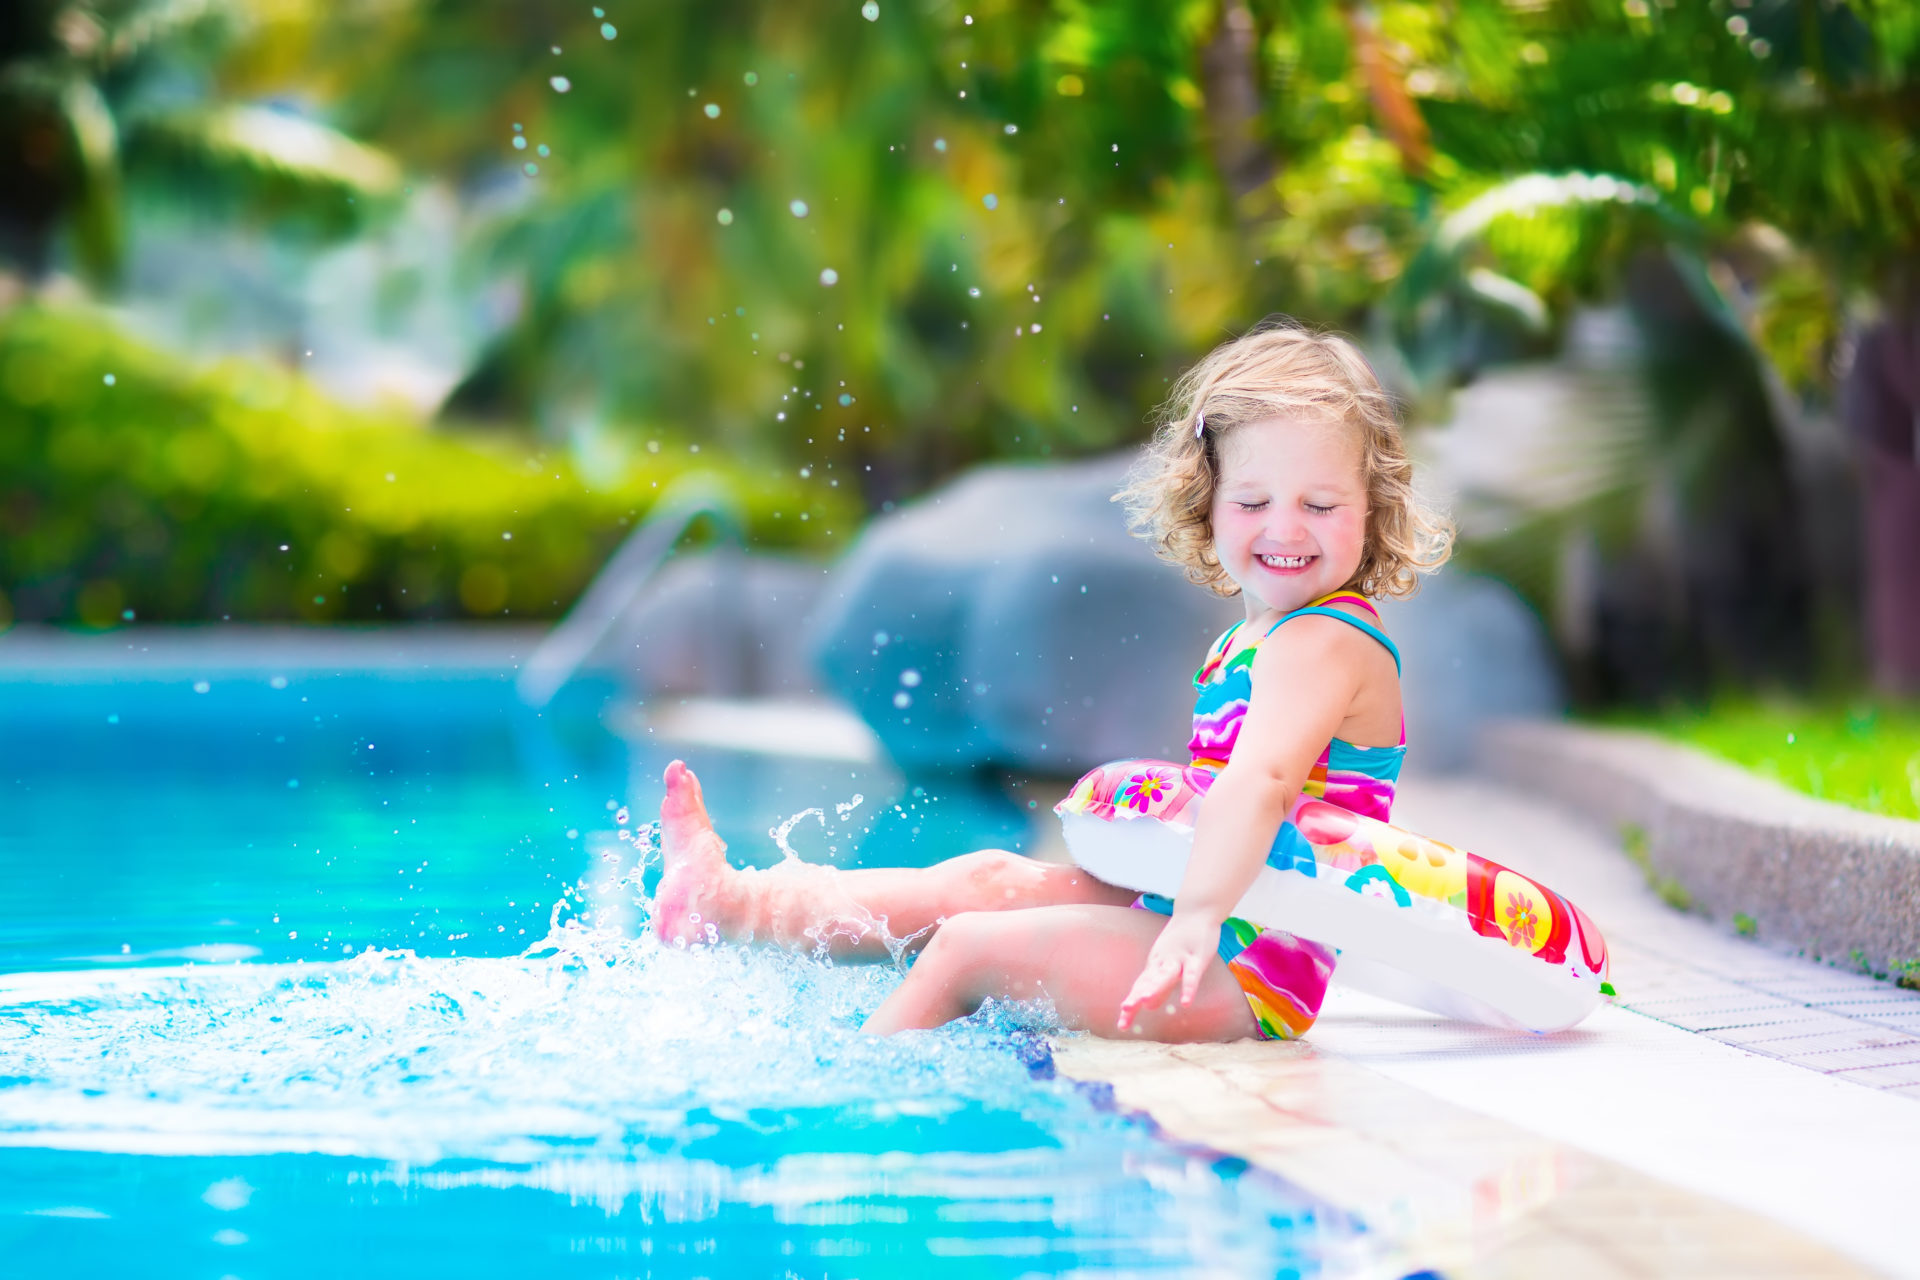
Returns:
(614, 589)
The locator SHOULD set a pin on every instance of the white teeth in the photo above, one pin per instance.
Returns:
(1284, 562)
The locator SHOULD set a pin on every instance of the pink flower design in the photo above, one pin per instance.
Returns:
(1148, 789)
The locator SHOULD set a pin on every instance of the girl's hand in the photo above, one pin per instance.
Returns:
(1178, 959)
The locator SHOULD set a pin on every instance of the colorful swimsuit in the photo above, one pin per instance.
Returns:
(1284, 977)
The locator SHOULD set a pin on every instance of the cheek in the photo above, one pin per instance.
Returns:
(1353, 528)
(1231, 524)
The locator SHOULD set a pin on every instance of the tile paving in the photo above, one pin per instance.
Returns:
(1680, 969)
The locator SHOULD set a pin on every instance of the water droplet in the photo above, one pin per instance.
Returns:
(939, 144)
(516, 126)
(293, 784)
(543, 150)
(829, 277)
(531, 168)
(607, 31)
(621, 816)
(126, 615)
(625, 834)
(278, 682)
(974, 292)
(752, 78)
(201, 686)
(870, 11)
(798, 208)
(114, 718)
(560, 84)
(1013, 128)
(519, 142)
(598, 12)
(108, 379)
(910, 678)
(713, 110)
(903, 699)
(724, 217)
(990, 200)
(845, 399)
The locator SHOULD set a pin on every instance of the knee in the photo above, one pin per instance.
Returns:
(997, 874)
(958, 945)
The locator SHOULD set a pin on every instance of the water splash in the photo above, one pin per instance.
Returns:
(781, 833)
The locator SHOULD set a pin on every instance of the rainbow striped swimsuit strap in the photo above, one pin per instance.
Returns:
(1216, 655)
(1318, 607)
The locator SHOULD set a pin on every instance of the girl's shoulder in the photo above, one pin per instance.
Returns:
(1347, 622)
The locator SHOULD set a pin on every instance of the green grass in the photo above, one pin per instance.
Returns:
(1861, 754)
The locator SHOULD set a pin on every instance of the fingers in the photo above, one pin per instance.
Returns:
(1151, 987)
(1189, 980)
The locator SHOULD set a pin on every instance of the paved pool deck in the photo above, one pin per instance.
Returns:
(1740, 1112)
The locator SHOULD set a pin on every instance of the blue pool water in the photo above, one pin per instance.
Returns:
(302, 972)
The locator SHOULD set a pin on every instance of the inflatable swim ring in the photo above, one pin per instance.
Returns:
(1414, 920)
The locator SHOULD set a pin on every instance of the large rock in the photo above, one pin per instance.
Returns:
(1010, 619)
(1471, 652)
(720, 623)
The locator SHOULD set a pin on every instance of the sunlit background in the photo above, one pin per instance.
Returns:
(401, 310)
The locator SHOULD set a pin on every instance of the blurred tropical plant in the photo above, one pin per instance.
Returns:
(133, 488)
(870, 243)
(98, 95)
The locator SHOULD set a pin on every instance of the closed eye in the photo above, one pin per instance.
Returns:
(1250, 506)
(1319, 511)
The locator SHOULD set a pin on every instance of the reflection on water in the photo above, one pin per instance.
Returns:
(674, 1097)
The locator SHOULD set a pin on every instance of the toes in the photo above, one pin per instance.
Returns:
(683, 802)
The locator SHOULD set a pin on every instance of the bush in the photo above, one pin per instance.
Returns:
(132, 485)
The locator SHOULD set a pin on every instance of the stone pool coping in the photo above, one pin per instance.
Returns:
(201, 648)
(1454, 1192)
(1822, 878)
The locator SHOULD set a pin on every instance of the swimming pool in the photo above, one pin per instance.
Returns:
(305, 970)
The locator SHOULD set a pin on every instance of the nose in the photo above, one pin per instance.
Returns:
(1286, 528)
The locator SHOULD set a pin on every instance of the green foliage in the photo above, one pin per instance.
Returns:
(1863, 754)
(129, 483)
(1745, 925)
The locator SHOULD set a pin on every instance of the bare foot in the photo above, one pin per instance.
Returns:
(698, 888)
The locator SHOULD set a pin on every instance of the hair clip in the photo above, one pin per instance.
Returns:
(1199, 426)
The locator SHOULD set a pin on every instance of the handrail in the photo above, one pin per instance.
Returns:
(558, 657)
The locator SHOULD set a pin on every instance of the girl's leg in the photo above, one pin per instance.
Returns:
(852, 913)
(1083, 958)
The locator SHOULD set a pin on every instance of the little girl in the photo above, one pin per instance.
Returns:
(1281, 477)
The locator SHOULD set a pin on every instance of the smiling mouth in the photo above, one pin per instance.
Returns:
(1285, 562)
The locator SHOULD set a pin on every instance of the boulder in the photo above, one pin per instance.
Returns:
(1471, 652)
(719, 623)
(1009, 619)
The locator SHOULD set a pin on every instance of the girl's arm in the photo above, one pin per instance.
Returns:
(1305, 679)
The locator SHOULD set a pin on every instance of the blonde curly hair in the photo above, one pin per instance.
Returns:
(1281, 369)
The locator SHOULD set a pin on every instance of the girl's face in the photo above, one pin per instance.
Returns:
(1290, 511)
